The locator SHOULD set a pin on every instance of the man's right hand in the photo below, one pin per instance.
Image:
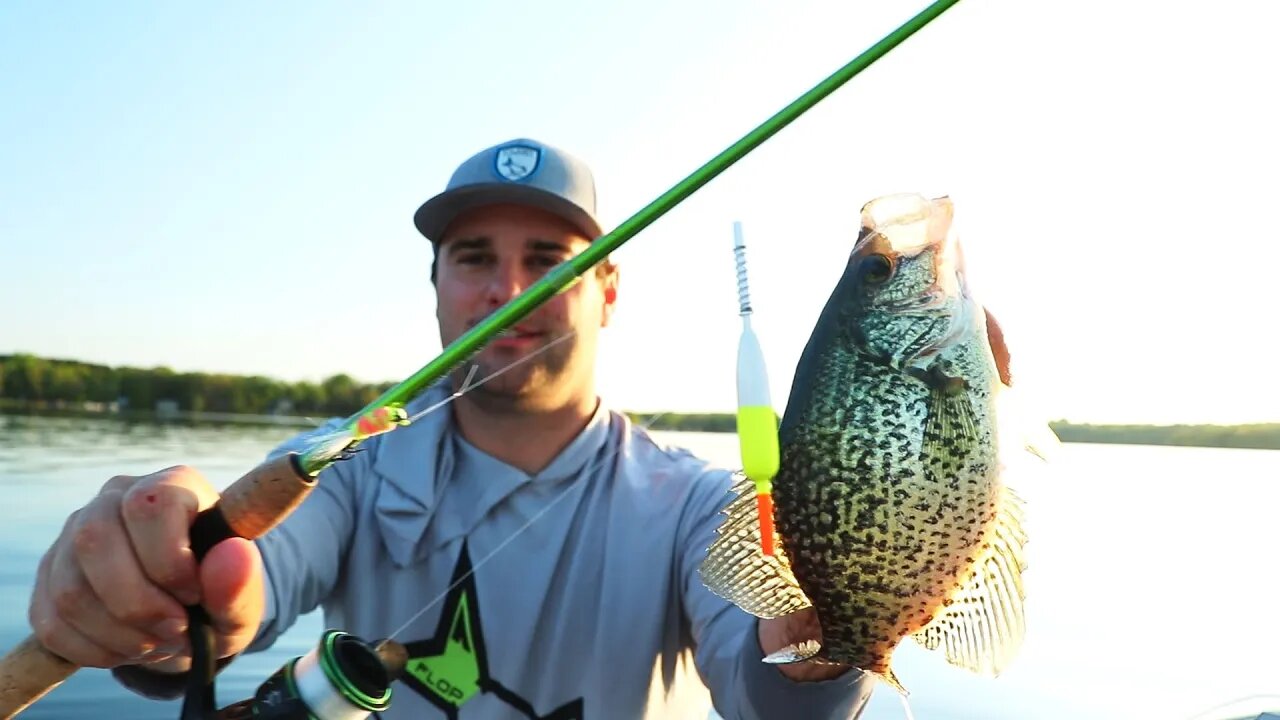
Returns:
(111, 589)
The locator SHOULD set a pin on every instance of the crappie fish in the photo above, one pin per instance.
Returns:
(891, 511)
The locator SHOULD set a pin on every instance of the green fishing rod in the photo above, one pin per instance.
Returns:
(261, 499)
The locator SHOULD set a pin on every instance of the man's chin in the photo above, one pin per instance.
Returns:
(520, 399)
(515, 384)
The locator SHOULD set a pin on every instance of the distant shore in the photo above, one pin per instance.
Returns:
(32, 384)
(1263, 436)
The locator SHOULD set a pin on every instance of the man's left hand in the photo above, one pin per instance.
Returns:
(778, 633)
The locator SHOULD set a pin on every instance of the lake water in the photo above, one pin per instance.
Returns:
(1152, 588)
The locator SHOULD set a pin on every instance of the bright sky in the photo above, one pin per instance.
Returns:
(230, 188)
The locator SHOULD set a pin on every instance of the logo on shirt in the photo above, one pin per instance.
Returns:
(452, 667)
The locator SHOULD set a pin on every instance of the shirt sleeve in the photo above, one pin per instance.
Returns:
(302, 557)
(726, 641)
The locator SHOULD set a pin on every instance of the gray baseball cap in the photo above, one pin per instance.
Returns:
(523, 172)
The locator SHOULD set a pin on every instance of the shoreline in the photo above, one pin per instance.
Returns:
(1264, 436)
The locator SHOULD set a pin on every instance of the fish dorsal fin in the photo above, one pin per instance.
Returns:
(1000, 351)
(737, 569)
(982, 627)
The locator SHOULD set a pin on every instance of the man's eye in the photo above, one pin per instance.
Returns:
(545, 261)
(473, 259)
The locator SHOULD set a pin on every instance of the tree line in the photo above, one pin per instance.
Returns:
(1258, 436)
(1263, 436)
(36, 381)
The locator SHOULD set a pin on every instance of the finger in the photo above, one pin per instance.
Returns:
(232, 581)
(59, 611)
(107, 563)
(803, 625)
(158, 511)
(118, 483)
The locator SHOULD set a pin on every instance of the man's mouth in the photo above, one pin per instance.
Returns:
(521, 331)
(519, 335)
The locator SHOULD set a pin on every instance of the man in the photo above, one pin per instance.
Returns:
(537, 554)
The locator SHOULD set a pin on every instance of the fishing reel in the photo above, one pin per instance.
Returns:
(342, 678)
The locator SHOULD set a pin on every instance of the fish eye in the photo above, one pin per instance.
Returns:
(875, 269)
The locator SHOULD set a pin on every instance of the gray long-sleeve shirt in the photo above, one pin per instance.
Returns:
(572, 593)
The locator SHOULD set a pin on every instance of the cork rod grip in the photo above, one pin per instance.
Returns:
(27, 673)
(249, 508)
(260, 500)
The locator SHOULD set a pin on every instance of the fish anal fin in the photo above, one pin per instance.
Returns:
(794, 653)
(737, 570)
(982, 627)
(807, 651)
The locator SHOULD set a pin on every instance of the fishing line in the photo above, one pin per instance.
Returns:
(528, 523)
(468, 386)
(906, 707)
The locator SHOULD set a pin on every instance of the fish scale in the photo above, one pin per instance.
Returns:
(890, 508)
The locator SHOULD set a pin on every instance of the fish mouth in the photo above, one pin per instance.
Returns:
(900, 228)
(909, 267)
(907, 223)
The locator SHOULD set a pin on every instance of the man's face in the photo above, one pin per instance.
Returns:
(488, 256)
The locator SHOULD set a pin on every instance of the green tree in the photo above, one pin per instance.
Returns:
(65, 381)
(218, 393)
(101, 383)
(260, 394)
(342, 393)
(308, 398)
(25, 377)
(138, 388)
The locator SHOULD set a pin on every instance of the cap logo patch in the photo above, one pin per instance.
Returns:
(517, 162)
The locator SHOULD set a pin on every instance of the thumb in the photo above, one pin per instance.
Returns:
(231, 583)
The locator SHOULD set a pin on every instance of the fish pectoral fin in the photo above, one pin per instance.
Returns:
(951, 413)
(794, 653)
(983, 626)
(737, 569)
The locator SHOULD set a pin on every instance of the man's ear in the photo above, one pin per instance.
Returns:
(610, 282)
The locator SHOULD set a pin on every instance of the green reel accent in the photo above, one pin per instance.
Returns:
(331, 664)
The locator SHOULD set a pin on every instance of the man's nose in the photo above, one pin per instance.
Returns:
(507, 282)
